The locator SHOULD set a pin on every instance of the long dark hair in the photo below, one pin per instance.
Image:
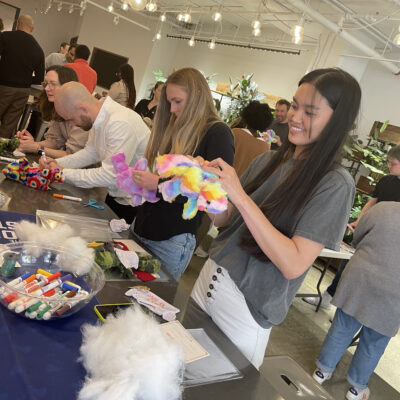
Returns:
(158, 83)
(282, 206)
(128, 76)
(46, 107)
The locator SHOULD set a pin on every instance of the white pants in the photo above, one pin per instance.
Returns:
(217, 295)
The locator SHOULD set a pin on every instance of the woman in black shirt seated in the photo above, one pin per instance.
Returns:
(186, 123)
(146, 108)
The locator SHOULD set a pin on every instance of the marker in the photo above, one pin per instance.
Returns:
(62, 196)
(43, 282)
(8, 160)
(15, 282)
(46, 273)
(48, 313)
(18, 286)
(31, 302)
(25, 300)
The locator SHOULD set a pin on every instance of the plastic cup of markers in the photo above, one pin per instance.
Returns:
(53, 294)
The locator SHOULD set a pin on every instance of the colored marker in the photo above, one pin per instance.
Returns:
(20, 279)
(38, 292)
(32, 311)
(62, 196)
(14, 282)
(31, 302)
(20, 285)
(45, 281)
(48, 313)
(46, 273)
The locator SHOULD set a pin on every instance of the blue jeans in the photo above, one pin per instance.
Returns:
(175, 253)
(370, 348)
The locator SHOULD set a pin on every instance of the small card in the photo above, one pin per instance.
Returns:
(129, 259)
(191, 347)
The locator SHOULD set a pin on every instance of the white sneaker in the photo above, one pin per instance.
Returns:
(321, 376)
(357, 394)
(325, 303)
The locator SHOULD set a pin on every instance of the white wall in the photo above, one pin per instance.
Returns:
(52, 28)
(380, 97)
(274, 73)
(125, 39)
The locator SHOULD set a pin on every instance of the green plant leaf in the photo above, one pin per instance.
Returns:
(384, 126)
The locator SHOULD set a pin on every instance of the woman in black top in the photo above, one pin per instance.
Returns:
(185, 123)
(146, 108)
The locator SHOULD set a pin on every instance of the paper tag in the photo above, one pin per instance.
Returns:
(154, 303)
(129, 259)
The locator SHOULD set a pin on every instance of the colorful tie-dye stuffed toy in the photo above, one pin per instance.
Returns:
(35, 178)
(188, 179)
(126, 184)
(270, 136)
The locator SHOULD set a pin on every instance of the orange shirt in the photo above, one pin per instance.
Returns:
(86, 75)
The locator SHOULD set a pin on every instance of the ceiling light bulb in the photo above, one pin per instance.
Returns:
(59, 7)
(211, 45)
(179, 17)
(217, 16)
(191, 42)
(83, 9)
(297, 39)
(151, 6)
(163, 18)
(187, 17)
(110, 8)
(256, 24)
(256, 32)
(158, 35)
(125, 6)
(71, 9)
(116, 20)
(137, 4)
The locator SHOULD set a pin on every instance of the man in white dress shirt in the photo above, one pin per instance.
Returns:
(115, 129)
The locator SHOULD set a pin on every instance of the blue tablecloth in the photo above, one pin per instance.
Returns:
(38, 359)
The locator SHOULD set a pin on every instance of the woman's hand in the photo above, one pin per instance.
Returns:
(49, 163)
(145, 179)
(28, 145)
(24, 135)
(229, 180)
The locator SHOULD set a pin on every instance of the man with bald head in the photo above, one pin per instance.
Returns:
(21, 65)
(114, 129)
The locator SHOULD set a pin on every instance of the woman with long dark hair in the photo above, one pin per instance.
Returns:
(60, 139)
(146, 108)
(286, 208)
(124, 91)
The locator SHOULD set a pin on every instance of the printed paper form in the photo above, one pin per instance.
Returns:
(191, 347)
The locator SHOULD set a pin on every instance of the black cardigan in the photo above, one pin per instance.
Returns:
(162, 220)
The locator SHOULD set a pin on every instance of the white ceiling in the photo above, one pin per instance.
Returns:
(365, 19)
(379, 20)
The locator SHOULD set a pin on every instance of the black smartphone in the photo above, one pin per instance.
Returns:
(102, 310)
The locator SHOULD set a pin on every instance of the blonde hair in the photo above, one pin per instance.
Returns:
(182, 134)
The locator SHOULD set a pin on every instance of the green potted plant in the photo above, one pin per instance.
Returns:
(241, 93)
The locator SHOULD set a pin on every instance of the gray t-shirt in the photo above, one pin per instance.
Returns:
(323, 219)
